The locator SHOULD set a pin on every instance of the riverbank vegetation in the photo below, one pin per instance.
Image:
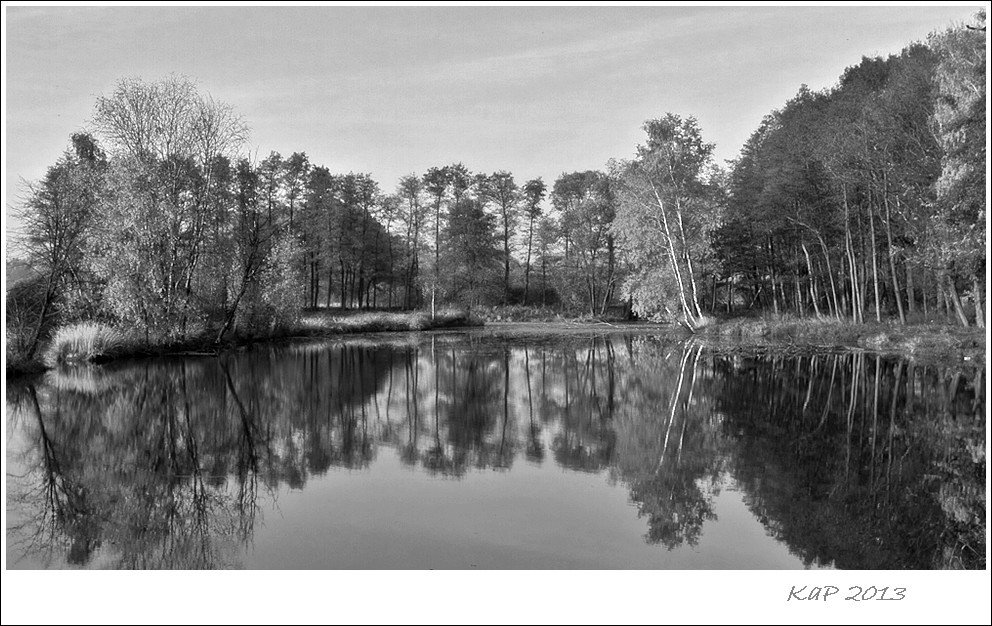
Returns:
(864, 202)
(927, 342)
(89, 342)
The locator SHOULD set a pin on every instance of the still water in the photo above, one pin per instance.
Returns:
(469, 450)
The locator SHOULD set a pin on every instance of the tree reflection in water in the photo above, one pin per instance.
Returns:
(851, 460)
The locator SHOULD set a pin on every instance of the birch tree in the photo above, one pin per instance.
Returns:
(661, 213)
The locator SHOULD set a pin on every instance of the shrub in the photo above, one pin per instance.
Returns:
(278, 301)
(450, 318)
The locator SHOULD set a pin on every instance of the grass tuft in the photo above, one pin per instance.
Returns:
(84, 342)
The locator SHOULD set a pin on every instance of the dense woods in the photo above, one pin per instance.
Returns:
(868, 200)
(861, 202)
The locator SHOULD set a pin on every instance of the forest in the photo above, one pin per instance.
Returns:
(862, 202)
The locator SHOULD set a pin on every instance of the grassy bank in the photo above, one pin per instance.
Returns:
(536, 314)
(917, 340)
(97, 343)
(929, 342)
(337, 321)
(91, 342)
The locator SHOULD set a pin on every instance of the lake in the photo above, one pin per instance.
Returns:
(474, 450)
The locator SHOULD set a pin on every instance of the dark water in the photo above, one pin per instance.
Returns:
(473, 451)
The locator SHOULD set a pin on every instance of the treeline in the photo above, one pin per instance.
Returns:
(860, 202)
(156, 221)
(153, 223)
(868, 200)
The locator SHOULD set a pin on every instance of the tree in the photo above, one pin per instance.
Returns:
(548, 237)
(960, 118)
(253, 238)
(665, 210)
(156, 121)
(412, 217)
(471, 257)
(436, 183)
(57, 219)
(533, 193)
(500, 189)
(359, 196)
(163, 139)
(386, 260)
(587, 205)
(319, 210)
(270, 172)
(296, 170)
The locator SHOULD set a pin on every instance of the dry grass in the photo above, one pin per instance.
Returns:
(92, 342)
(521, 313)
(786, 328)
(922, 340)
(703, 321)
(330, 322)
(85, 342)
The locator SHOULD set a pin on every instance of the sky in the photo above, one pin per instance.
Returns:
(537, 91)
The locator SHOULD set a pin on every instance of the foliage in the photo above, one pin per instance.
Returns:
(471, 255)
(670, 202)
(960, 116)
(588, 271)
(867, 198)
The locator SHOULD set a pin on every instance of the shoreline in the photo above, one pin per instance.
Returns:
(314, 325)
(923, 342)
(928, 343)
